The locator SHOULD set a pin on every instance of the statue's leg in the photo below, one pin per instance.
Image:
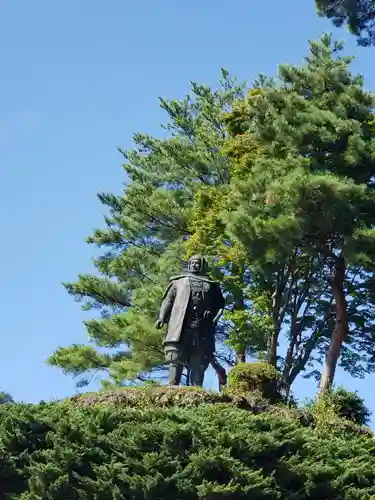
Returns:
(198, 366)
(172, 356)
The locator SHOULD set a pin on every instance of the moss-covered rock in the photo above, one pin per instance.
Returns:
(256, 377)
(164, 396)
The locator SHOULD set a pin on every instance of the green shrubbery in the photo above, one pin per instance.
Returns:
(339, 404)
(256, 377)
(103, 451)
(350, 405)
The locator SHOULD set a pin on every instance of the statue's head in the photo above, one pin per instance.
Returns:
(197, 264)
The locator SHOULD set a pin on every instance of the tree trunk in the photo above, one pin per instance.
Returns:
(220, 372)
(340, 330)
(239, 305)
(240, 357)
(276, 305)
(272, 349)
(288, 363)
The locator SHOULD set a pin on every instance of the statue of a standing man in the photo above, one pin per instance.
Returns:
(191, 306)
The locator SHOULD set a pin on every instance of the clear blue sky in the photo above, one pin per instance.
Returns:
(77, 79)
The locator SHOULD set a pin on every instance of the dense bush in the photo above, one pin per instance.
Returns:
(255, 377)
(351, 406)
(67, 451)
(345, 404)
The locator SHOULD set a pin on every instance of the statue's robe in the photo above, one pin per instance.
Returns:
(175, 306)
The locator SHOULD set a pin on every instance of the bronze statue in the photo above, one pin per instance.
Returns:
(191, 306)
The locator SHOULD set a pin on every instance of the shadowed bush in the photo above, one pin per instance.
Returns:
(351, 406)
(339, 405)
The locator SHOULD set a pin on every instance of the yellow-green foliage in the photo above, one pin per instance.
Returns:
(325, 412)
(205, 225)
(254, 323)
(241, 146)
(238, 119)
(254, 377)
(206, 222)
(372, 125)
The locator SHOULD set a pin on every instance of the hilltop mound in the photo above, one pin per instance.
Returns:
(180, 444)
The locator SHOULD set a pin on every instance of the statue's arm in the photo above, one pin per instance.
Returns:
(167, 303)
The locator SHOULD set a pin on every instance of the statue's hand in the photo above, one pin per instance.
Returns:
(159, 324)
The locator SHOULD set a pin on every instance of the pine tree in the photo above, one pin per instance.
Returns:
(143, 242)
(359, 15)
(5, 398)
(308, 202)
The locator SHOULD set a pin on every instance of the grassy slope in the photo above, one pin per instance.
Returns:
(179, 444)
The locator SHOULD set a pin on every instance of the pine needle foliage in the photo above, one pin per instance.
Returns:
(358, 15)
(63, 451)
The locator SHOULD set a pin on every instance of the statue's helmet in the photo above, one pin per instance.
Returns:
(197, 264)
